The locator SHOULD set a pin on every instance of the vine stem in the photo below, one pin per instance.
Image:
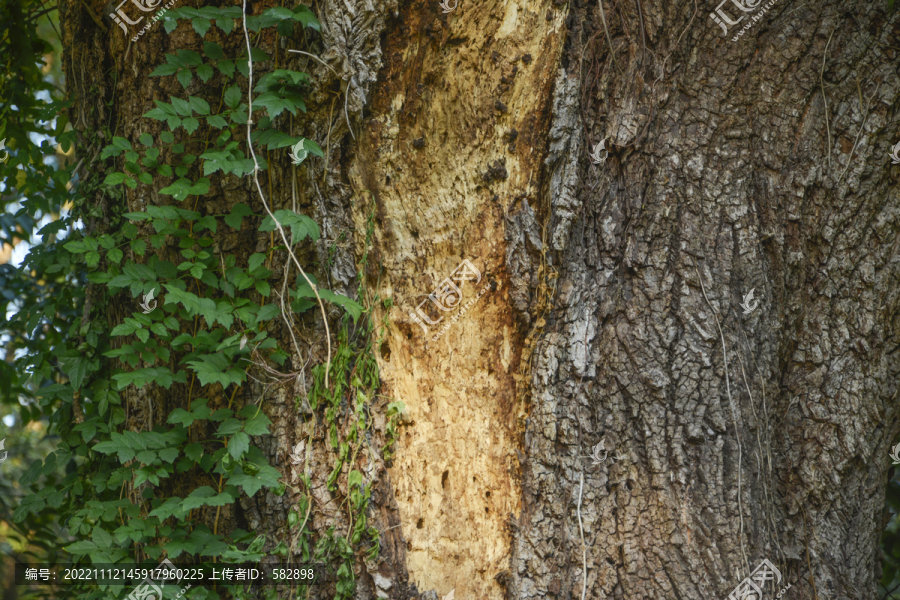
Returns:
(221, 476)
(733, 415)
(263, 197)
(317, 58)
(825, 98)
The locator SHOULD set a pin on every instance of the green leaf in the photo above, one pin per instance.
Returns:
(114, 179)
(164, 70)
(267, 312)
(184, 77)
(306, 17)
(228, 427)
(275, 104)
(169, 23)
(267, 476)
(313, 148)
(115, 255)
(205, 73)
(238, 444)
(89, 429)
(167, 137)
(217, 121)
(279, 12)
(199, 105)
(146, 457)
(285, 28)
(146, 139)
(258, 425)
(190, 58)
(182, 107)
(213, 50)
(202, 496)
(263, 288)
(172, 507)
(81, 548)
(201, 26)
(239, 211)
(169, 454)
(141, 377)
(355, 310)
(122, 143)
(193, 451)
(207, 222)
(214, 368)
(226, 67)
(232, 96)
(258, 55)
(255, 261)
(301, 225)
(225, 24)
(179, 415)
(75, 368)
(190, 124)
(192, 303)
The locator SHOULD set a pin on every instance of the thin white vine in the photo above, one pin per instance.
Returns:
(263, 197)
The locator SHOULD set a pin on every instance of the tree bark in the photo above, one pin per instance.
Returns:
(613, 308)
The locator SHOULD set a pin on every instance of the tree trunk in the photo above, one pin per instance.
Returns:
(612, 311)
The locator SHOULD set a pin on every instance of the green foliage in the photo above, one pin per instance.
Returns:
(117, 492)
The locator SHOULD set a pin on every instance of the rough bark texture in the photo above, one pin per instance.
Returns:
(613, 311)
(738, 437)
(453, 155)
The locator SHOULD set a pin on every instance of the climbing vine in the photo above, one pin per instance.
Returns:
(190, 317)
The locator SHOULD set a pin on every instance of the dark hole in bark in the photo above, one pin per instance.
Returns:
(420, 524)
(488, 494)
(386, 352)
(444, 479)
